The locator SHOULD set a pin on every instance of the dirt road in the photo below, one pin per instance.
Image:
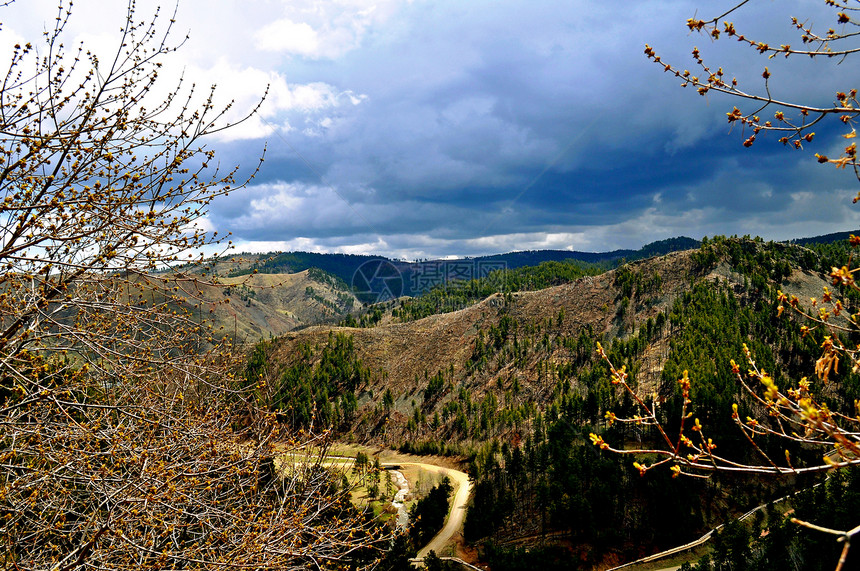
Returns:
(454, 522)
(460, 481)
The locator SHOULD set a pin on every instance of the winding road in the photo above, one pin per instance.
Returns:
(457, 513)
(457, 510)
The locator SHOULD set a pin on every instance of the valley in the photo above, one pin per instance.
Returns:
(511, 386)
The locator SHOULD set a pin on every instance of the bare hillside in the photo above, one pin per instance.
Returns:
(510, 348)
(259, 306)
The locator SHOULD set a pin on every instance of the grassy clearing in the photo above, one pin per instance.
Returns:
(361, 482)
(341, 457)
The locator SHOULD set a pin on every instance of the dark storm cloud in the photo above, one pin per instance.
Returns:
(473, 126)
(426, 128)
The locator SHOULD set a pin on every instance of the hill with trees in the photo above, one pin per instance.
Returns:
(514, 385)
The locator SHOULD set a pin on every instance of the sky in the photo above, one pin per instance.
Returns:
(422, 129)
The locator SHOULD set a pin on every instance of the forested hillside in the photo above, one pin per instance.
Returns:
(513, 384)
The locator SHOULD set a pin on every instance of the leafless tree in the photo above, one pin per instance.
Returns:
(789, 413)
(123, 444)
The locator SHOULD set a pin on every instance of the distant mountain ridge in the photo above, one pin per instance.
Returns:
(823, 239)
(358, 270)
(341, 288)
(535, 257)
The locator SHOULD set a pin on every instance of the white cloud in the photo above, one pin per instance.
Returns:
(292, 209)
(284, 35)
(327, 30)
(243, 88)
